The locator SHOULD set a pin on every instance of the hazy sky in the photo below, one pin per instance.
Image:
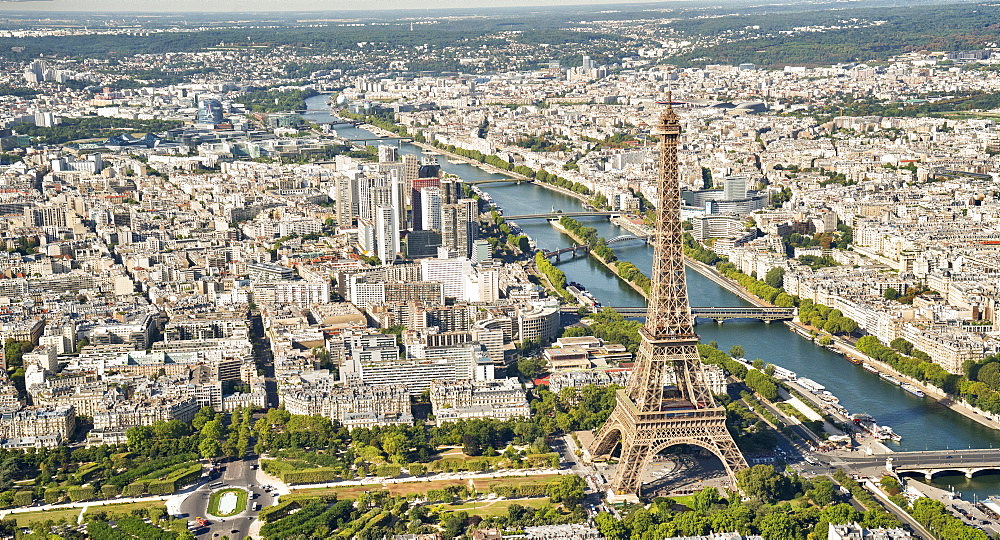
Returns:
(175, 6)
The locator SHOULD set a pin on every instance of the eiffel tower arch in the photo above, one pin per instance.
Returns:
(649, 416)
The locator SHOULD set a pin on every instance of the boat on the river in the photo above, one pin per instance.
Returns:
(868, 424)
(870, 368)
(853, 360)
(912, 389)
(827, 396)
(804, 333)
(889, 378)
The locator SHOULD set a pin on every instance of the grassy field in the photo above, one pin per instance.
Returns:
(495, 508)
(216, 498)
(406, 488)
(125, 508)
(27, 518)
(483, 484)
(350, 492)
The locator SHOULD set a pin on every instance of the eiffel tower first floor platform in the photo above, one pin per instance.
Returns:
(645, 434)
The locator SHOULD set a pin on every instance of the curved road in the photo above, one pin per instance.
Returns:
(242, 474)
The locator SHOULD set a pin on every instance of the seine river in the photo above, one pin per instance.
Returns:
(922, 422)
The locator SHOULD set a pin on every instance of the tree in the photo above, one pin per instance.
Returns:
(761, 482)
(470, 445)
(784, 300)
(203, 415)
(778, 526)
(569, 490)
(212, 434)
(890, 484)
(823, 492)
(990, 375)
(14, 350)
(611, 527)
(737, 351)
(890, 294)
(529, 368)
(705, 499)
(775, 277)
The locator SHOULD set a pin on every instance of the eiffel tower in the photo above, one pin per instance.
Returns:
(649, 417)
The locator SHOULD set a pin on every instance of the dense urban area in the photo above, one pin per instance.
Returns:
(282, 276)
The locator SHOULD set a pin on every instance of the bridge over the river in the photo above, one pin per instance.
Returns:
(719, 314)
(931, 463)
(497, 180)
(369, 140)
(574, 250)
(629, 237)
(557, 215)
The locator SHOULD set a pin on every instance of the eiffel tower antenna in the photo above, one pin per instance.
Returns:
(648, 417)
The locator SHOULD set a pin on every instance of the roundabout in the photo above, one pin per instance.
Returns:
(227, 502)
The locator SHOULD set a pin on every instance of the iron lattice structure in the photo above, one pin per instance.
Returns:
(648, 418)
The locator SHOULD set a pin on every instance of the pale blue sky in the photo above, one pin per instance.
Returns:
(176, 6)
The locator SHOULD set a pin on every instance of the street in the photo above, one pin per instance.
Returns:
(242, 474)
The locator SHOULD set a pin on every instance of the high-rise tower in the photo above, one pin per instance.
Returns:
(648, 416)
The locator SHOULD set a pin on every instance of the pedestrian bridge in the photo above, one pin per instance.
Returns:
(719, 314)
(627, 237)
(934, 462)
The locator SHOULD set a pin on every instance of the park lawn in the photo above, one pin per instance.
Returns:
(125, 508)
(483, 484)
(59, 515)
(216, 498)
(496, 507)
(351, 492)
(683, 499)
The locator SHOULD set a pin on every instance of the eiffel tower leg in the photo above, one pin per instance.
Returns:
(628, 474)
(608, 436)
(728, 452)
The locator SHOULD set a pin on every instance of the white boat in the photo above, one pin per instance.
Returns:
(885, 433)
(889, 378)
(827, 396)
(810, 385)
(912, 389)
(867, 423)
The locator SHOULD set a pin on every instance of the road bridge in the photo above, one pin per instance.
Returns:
(929, 464)
(365, 142)
(497, 180)
(720, 314)
(576, 249)
(557, 215)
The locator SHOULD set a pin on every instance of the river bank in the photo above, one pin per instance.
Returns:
(945, 399)
(724, 282)
(609, 265)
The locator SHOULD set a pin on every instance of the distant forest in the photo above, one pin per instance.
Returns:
(952, 27)
(949, 27)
